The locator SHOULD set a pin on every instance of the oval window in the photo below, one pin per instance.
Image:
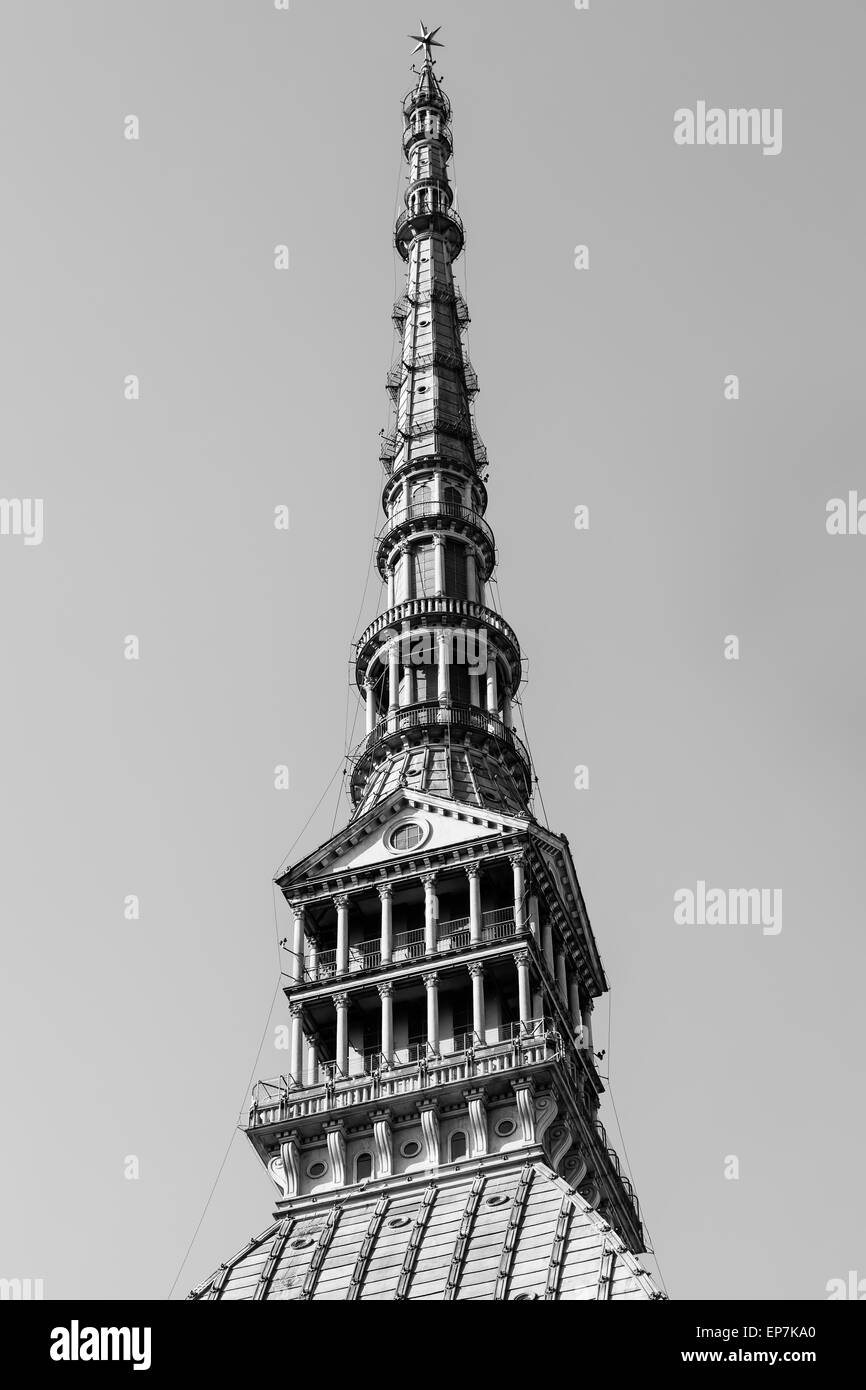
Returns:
(317, 1170)
(411, 1150)
(505, 1127)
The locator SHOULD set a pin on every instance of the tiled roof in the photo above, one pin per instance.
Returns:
(520, 1234)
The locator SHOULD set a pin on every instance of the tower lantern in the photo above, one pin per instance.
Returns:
(436, 1134)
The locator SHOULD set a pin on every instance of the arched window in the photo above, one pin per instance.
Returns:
(458, 1145)
(363, 1167)
(453, 496)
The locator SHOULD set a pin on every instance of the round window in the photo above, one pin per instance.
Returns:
(406, 836)
(411, 1149)
(498, 1200)
(301, 1243)
(505, 1127)
(317, 1170)
(399, 1221)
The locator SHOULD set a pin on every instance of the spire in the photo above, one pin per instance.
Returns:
(440, 969)
(438, 668)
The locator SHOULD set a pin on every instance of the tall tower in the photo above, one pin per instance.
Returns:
(436, 1135)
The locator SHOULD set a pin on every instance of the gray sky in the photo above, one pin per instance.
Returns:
(601, 387)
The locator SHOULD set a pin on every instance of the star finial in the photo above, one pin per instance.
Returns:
(426, 39)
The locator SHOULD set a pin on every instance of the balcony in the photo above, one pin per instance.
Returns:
(515, 1045)
(496, 925)
(437, 101)
(436, 607)
(440, 219)
(413, 517)
(424, 131)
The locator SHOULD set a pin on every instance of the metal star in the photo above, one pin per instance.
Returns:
(426, 40)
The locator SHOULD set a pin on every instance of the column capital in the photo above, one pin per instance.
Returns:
(473, 870)
(429, 879)
(431, 979)
(522, 957)
(340, 900)
(298, 909)
(296, 1010)
(385, 890)
(518, 858)
(386, 989)
(341, 1001)
(476, 970)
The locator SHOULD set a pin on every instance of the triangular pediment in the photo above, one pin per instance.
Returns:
(369, 841)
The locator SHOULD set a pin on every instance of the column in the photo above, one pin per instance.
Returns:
(341, 903)
(407, 694)
(586, 1015)
(313, 958)
(436, 489)
(298, 945)
(370, 691)
(407, 493)
(431, 913)
(341, 1004)
(561, 976)
(492, 690)
(296, 1056)
(438, 565)
(386, 994)
(479, 1019)
(574, 1003)
(517, 862)
(386, 934)
(474, 690)
(391, 584)
(547, 946)
(473, 873)
(471, 578)
(507, 716)
(431, 984)
(311, 1071)
(444, 641)
(522, 961)
(393, 675)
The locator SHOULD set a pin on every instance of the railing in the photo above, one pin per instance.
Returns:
(479, 449)
(408, 215)
(518, 1046)
(452, 360)
(497, 924)
(420, 511)
(424, 131)
(408, 945)
(454, 935)
(423, 715)
(437, 102)
(438, 607)
(387, 448)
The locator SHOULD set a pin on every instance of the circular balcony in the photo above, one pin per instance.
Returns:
(442, 220)
(415, 721)
(432, 100)
(423, 131)
(418, 613)
(435, 516)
